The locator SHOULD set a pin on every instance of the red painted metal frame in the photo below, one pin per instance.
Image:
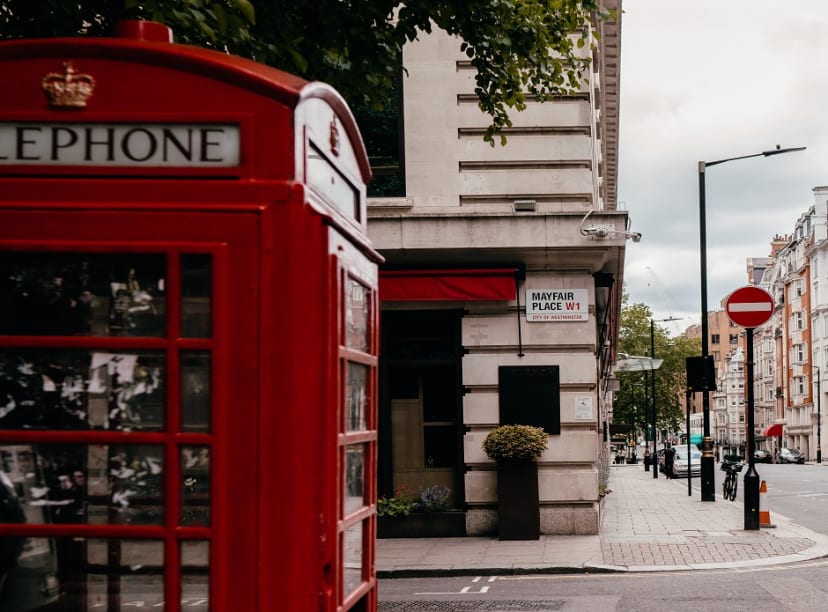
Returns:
(347, 262)
(194, 237)
(280, 256)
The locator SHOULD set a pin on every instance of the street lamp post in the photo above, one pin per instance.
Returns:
(653, 387)
(819, 415)
(708, 489)
(819, 420)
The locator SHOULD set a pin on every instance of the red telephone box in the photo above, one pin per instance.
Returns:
(188, 333)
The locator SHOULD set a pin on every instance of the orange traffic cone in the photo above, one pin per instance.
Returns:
(764, 514)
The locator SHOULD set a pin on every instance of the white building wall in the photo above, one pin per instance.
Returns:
(459, 210)
(549, 157)
(818, 254)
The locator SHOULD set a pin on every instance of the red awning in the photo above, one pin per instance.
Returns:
(442, 285)
(773, 431)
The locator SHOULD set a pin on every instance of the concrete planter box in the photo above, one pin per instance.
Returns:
(450, 524)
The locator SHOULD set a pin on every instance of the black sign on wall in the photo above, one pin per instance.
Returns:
(530, 395)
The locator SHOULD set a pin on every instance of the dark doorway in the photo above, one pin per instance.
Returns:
(421, 424)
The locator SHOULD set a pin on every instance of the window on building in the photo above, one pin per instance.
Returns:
(714, 339)
(734, 338)
(798, 385)
(797, 321)
(382, 132)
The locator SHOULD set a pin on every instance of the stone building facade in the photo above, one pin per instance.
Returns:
(500, 260)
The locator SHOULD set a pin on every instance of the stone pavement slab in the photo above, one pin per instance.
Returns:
(647, 524)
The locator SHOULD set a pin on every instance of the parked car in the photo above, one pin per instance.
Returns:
(791, 455)
(680, 467)
(762, 456)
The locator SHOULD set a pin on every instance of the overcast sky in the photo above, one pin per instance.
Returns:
(708, 80)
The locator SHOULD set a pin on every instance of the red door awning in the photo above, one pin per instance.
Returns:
(450, 285)
(773, 431)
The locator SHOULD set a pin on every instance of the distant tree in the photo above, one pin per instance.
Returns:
(634, 399)
(520, 48)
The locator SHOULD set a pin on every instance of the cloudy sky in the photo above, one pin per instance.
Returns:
(708, 80)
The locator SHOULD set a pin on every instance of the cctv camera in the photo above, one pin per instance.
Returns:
(635, 236)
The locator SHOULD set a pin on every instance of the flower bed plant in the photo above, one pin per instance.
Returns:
(405, 501)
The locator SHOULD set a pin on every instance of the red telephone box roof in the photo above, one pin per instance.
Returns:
(152, 59)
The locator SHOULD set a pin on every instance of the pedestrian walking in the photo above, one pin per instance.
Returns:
(669, 456)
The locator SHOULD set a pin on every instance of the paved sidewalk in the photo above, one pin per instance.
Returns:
(647, 524)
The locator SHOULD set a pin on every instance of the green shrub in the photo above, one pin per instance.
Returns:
(405, 501)
(515, 443)
(400, 505)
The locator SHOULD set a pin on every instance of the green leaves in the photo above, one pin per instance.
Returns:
(636, 387)
(515, 443)
(517, 47)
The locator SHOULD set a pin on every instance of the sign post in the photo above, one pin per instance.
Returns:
(750, 307)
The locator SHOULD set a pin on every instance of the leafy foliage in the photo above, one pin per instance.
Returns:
(405, 501)
(518, 47)
(515, 443)
(634, 401)
(401, 504)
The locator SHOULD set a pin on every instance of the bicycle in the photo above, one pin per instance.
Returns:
(731, 481)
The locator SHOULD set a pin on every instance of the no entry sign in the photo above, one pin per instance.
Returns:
(749, 306)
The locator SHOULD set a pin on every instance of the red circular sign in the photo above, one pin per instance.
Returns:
(749, 306)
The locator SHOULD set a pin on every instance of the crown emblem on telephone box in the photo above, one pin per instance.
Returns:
(68, 89)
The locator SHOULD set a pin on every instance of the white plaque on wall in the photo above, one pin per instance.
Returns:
(583, 408)
(557, 305)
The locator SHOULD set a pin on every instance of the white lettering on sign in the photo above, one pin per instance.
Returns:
(557, 305)
(110, 144)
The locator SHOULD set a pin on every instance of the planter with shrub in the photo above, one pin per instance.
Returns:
(515, 449)
(419, 515)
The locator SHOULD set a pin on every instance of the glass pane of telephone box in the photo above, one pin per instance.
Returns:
(356, 397)
(82, 389)
(100, 574)
(66, 573)
(196, 291)
(82, 294)
(357, 315)
(195, 575)
(352, 557)
(95, 484)
(195, 486)
(195, 391)
(354, 478)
